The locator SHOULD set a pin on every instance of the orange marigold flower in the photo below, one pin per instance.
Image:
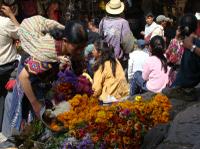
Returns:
(95, 139)
(126, 140)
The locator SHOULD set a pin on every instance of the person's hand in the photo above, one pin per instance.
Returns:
(37, 108)
(7, 11)
(65, 62)
(188, 42)
(142, 33)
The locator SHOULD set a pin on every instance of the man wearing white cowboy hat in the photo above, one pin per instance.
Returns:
(116, 31)
(115, 7)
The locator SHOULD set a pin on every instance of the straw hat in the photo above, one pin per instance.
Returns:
(198, 15)
(114, 7)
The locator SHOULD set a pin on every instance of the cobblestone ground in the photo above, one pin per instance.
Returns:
(183, 132)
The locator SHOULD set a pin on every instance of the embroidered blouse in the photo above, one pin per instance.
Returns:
(36, 40)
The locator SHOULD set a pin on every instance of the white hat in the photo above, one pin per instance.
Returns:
(161, 18)
(197, 15)
(114, 7)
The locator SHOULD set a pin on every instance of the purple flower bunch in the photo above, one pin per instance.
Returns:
(68, 85)
(84, 86)
(85, 143)
(67, 77)
(64, 86)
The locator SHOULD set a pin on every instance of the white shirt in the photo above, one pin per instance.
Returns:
(149, 29)
(158, 31)
(8, 32)
(136, 61)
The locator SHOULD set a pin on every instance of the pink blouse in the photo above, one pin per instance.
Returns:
(155, 75)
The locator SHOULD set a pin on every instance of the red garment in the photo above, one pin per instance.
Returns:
(53, 12)
(174, 52)
(198, 29)
(29, 7)
(10, 84)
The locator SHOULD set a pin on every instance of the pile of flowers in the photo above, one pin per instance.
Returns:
(88, 124)
(68, 85)
(119, 125)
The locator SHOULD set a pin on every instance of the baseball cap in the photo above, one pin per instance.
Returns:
(141, 43)
(149, 15)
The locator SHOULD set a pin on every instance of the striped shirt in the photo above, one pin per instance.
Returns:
(36, 40)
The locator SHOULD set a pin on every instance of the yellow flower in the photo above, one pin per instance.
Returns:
(75, 102)
(138, 98)
(126, 140)
(101, 114)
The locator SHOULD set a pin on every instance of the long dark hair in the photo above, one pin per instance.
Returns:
(188, 24)
(74, 32)
(107, 54)
(157, 44)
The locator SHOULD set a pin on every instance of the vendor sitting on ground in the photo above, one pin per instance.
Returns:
(109, 78)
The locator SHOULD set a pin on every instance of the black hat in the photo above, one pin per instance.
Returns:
(149, 15)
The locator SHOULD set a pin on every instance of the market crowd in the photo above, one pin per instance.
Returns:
(117, 64)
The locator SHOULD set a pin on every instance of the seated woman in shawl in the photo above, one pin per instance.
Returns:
(47, 43)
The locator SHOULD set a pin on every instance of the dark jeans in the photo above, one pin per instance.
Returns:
(138, 84)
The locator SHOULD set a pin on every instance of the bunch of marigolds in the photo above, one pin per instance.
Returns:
(120, 125)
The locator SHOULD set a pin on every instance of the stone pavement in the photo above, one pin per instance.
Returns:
(183, 132)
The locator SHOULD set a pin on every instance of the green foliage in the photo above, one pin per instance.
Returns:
(56, 141)
(28, 139)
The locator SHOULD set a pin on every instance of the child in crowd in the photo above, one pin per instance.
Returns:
(154, 76)
(89, 58)
(109, 80)
(137, 59)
